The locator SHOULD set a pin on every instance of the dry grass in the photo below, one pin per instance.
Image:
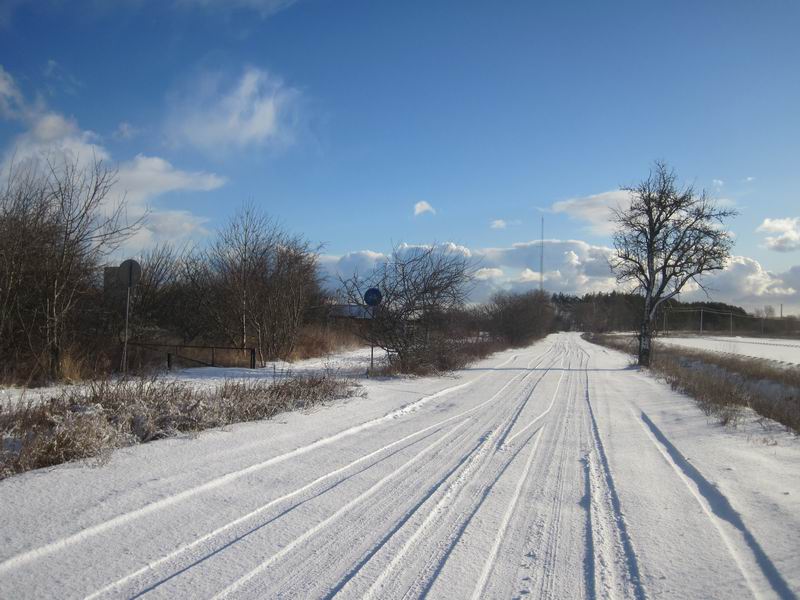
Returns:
(723, 385)
(90, 421)
(450, 355)
(319, 340)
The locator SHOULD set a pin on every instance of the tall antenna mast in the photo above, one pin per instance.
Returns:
(541, 259)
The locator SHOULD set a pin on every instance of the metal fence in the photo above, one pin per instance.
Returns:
(712, 321)
(197, 355)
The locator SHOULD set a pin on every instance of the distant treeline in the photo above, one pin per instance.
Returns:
(603, 312)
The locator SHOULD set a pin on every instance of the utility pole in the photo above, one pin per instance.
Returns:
(541, 259)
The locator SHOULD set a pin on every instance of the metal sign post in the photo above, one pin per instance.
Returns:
(372, 298)
(130, 272)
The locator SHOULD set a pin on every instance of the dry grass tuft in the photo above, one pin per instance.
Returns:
(320, 340)
(90, 421)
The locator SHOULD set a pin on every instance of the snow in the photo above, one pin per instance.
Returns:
(552, 471)
(352, 363)
(781, 350)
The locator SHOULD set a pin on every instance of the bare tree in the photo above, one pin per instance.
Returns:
(254, 283)
(58, 223)
(420, 285)
(667, 237)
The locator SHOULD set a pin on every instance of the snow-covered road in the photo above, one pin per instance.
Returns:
(556, 471)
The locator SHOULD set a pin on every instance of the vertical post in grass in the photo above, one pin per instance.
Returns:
(252, 358)
(701, 321)
(731, 324)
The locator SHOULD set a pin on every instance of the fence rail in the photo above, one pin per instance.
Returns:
(710, 320)
(177, 351)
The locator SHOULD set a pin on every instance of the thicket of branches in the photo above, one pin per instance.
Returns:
(56, 226)
(424, 322)
(251, 286)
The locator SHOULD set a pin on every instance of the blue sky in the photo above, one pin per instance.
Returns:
(339, 117)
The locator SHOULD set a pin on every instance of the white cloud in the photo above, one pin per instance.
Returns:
(168, 226)
(498, 224)
(422, 207)
(264, 7)
(360, 262)
(12, 103)
(258, 110)
(749, 179)
(746, 282)
(146, 177)
(125, 131)
(59, 79)
(787, 230)
(140, 181)
(717, 183)
(596, 209)
(488, 273)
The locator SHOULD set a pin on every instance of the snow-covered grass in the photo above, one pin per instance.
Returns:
(723, 384)
(349, 364)
(785, 351)
(90, 420)
(553, 471)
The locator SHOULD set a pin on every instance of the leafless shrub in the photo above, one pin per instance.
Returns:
(87, 422)
(422, 288)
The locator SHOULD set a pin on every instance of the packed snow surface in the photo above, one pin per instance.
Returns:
(556, 471)
(781, 350)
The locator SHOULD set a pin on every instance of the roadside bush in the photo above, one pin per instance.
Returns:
(88, 422)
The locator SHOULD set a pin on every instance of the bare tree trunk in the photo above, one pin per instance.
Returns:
(645, 342)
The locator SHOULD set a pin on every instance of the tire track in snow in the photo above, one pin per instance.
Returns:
(216, 549)
(512, 505)
(250, 575)
(353, 571)
(220, 481)
(448, 498)
(760, 574)
(551, 519)
(607, 518)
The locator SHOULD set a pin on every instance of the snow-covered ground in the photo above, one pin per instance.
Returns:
(556, 471)
(780, 350)
(352, 363)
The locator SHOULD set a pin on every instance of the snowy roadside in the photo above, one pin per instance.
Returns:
(552, 471)
(350, 364)
(778, 350)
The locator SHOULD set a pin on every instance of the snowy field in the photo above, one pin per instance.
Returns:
(780, 350)
(556, 471)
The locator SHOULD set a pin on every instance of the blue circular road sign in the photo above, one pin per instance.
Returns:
(373, 297)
